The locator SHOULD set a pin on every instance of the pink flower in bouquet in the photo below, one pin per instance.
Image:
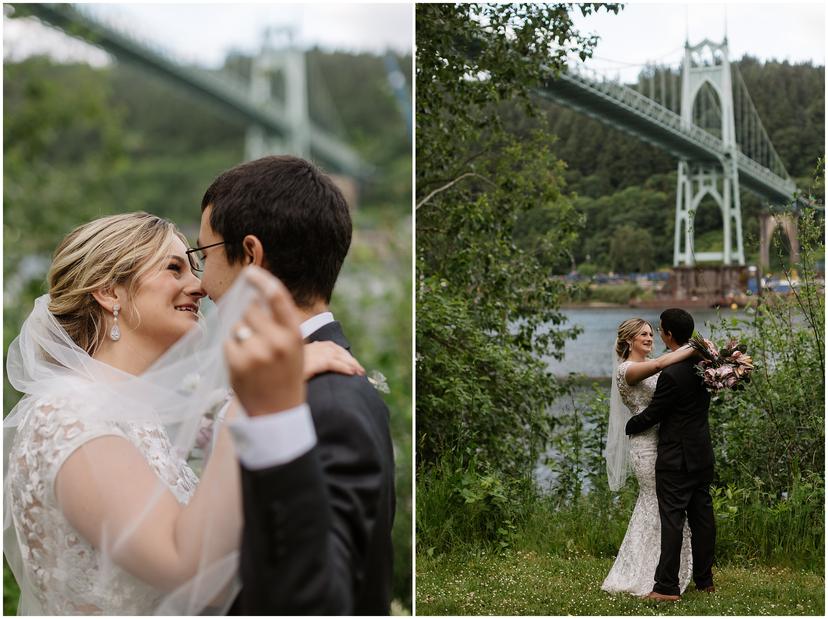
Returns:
(711, 347)
(724, 371)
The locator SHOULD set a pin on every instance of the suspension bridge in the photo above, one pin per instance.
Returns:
(274, 124)
(703, 115)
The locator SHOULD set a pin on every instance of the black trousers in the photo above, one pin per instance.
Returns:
(682, 494)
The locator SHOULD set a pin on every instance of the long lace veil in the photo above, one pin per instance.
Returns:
(189, 380)
(618, 443)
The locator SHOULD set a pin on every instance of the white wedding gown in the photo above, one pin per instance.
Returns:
(67, 575)
(635, 566)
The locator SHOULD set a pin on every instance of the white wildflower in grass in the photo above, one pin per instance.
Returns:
(526, 583)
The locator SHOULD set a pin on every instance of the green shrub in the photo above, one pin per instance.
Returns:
(618, 294)
(469, 506)
(578, 439)
(774, 429)
(755, 526)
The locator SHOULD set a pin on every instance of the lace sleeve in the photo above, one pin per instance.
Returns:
(621, 376)
(59, 427)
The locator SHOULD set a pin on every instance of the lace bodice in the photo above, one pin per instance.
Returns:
(66, 572)
(636, 398)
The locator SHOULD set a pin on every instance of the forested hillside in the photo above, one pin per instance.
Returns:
(131, 141)
(626, 188)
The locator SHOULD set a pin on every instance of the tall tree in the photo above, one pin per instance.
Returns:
(484, 303)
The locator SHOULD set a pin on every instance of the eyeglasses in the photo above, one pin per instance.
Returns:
(196, 256)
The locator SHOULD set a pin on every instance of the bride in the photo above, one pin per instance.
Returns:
(103, 514)
(634, 379)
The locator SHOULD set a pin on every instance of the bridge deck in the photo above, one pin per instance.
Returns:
(223, 91)
(632, 112)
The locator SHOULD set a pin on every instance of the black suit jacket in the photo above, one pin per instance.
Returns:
(680, 404)
(317, 532)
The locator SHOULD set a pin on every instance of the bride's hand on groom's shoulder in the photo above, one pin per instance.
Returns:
(321, 357)
(265, 350)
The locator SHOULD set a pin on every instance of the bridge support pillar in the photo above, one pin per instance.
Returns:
(683, 246)
(708, 285)
(708, 64)
(734, 250)
(695, 181)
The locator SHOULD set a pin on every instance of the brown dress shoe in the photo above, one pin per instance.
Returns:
(710, 589)
(661, 597)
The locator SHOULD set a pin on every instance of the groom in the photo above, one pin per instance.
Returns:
(318, 487)
(684, 463)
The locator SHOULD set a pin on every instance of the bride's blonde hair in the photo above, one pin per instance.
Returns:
(112, 251)
(627, 331)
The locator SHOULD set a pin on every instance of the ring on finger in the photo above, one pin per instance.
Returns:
(242, 333)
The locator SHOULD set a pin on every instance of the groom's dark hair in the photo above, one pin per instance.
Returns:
(677, 323)
(298, 214)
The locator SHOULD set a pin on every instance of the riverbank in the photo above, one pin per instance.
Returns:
(527, 582)
(656, 303)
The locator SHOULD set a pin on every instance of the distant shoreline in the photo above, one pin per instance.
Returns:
(650, 304)
(593, 305)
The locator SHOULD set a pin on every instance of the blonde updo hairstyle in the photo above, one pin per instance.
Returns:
(112, 251)
(627, 331)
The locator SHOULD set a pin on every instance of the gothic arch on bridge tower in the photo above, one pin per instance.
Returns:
(707, 66)
(708, 221)
(707, 108)
(698, 185)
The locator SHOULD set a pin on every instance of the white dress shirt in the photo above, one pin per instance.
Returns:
(270, 440)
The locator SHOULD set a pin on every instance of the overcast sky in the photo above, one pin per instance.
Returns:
(641, 32)
(205, 33)
(646, 31)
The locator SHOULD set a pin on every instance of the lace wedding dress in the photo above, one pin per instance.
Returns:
(635, 566)
(66, 574)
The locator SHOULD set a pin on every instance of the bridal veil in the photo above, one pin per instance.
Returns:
(618, 443)
(175, 393)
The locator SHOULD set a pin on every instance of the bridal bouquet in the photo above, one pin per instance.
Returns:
(727, 368)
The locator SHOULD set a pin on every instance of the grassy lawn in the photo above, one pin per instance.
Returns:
(529, 583)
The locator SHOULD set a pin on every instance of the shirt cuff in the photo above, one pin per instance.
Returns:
(270, 440)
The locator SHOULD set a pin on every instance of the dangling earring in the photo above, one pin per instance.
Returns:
(115, 331)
